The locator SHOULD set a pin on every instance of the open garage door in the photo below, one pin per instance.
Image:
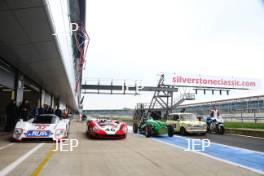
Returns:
(32, 93)
(7, 85)
(32, 96)
(7, 75)
(6, 94)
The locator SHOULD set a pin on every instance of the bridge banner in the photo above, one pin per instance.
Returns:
(215, 82)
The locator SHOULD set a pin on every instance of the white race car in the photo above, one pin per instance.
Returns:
(47, 126)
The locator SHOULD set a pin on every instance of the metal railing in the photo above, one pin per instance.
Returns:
(181, 98)
(146, 106)
(244, 117)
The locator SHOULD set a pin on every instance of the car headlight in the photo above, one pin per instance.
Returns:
(59, 132)
(18, 131)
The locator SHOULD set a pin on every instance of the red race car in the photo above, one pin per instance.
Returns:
(104, 128)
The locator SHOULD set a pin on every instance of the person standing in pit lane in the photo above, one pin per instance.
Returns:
(50, 110)
(24, 110)
(58, 111)
(65, 114)
(40, 110)
(11, 116)
(45, 109)
(35, 110)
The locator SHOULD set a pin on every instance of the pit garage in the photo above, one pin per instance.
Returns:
(7, 86)
(25, 89)
(32, 93)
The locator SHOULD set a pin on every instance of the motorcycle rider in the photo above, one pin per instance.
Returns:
(214, 112)
(213, 115)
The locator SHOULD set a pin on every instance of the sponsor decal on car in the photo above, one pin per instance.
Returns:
(41, 126)
(38, 133)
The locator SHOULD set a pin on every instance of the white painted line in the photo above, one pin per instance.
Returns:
(238, 148)
(222, 160)
(13, 165)
(234, 147)
(8, 145)
(176, 146)
(230, 162)
(207, 155)
(247, 136)
(229, 146)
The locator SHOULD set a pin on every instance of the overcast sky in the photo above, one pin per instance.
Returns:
(139, 39)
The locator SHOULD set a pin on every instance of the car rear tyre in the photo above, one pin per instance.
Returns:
(89, 132)
(221, 130)
(182, 131)
(148, 131)
(170, 131)
(135, 128)
(208, 129)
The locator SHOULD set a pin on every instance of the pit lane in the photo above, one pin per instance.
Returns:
(247, 142)
(135, 155)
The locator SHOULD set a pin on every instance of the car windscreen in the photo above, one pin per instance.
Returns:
(47, 119)
(189, 117)
(173, 117)
(103, 123)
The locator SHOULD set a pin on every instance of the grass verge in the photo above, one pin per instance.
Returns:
(250, 125)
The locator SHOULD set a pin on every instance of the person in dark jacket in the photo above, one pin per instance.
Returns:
(35, 111)
(11, 115)
(40, 110)
(45, 109)
(58, 112)
(24, 110)
(50, 110)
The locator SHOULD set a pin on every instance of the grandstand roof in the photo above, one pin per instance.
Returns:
(246, 98)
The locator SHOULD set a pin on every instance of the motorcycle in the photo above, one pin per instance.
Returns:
(215, 125)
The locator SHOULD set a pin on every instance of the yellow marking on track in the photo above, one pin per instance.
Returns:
(44, 161)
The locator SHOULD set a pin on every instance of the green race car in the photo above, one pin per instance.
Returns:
(151, 127)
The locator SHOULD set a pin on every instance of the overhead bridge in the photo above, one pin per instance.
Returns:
(163, 101)
(123, 89)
